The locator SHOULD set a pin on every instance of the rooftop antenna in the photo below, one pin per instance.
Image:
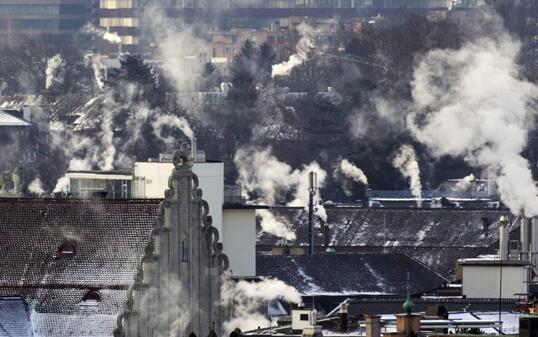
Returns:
(311, 193)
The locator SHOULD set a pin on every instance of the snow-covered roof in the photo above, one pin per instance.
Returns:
(14, 317)
(7, 119)
(349, 274)
(438, 237)
(110, 238)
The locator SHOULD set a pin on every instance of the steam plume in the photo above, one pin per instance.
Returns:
(111, 37)
(305, 46)
(472, 103)
(353, 172)
(36, 187)
(271, 225)
(53, 71)
(465, 183)
(171, 121)
(249, 297)
(262, 174)
(405, 160)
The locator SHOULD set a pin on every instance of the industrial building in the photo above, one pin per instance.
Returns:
(57, 19)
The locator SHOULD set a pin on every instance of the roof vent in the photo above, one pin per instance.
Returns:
(92, 297)
(67, 248)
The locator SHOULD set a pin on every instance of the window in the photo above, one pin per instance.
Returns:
(303, 317)
(67, 248)
(92, 297)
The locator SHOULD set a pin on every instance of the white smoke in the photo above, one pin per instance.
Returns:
(248, 299)
(54, 71)
(406, 162)
(36, 187)
(472, 103)
(111, 37)
(304, 47)
(171, 121)
(271, 225)
(465, 183)
(62, 185)
(261, 173)
(97, 76)
(353, 172)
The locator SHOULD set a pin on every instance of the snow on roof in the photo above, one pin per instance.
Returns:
(348, 274)
(7, 119)
(14, 318)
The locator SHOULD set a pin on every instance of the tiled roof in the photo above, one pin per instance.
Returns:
(79, 325)
(439, 229)
(349, 274)
(14, 318)
(111, 236)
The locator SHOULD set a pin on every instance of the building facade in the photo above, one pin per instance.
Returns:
(58, 19)
(121, 17)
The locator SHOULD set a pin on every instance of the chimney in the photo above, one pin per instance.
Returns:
(311, 192)
(534, 242)
(373, 325)
(27, 113)
(503, 238)
(193, 148)
(343, 317)
(524, 228)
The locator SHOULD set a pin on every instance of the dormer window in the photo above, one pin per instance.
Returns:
(67, 248)
(92, 297)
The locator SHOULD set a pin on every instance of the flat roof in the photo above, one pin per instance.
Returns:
(244, 206)
(98, 172)
(492, 262)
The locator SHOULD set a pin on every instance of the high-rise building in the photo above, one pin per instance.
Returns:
(59, 19)
(121, 17)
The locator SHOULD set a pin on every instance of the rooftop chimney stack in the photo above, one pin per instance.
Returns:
(524, 229)
(312, 192)
(534, 243)
(193, 149)
(504, 236)
(343, 317)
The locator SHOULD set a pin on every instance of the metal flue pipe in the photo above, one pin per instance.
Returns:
(503, 238)
(311, 193)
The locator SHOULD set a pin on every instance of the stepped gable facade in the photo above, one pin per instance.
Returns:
(177, 285)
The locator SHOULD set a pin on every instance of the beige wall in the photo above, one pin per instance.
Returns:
(483, 281)
(210, 176)
(239, 239)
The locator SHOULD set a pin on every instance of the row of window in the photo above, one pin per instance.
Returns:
(117, 4)
(43, 9)
(118, 22)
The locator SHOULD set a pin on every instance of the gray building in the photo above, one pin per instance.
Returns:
(59, 19)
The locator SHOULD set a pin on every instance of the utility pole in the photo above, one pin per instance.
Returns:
(311, 193)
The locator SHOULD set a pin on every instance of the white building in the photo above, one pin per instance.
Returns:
(493, 278)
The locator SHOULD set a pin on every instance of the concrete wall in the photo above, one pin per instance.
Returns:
(483, 281)
(239, 239)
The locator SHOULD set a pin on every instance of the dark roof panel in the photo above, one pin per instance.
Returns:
(349, 274)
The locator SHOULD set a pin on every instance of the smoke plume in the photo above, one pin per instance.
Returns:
(248, 299)
(169, 121)
(304, 47)
(270, 180)
(36, 187)
(472, 103)
(111, 37)
(353, 172)
(54, 71)
(465, 183)
(405, 160)
(271, 225)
